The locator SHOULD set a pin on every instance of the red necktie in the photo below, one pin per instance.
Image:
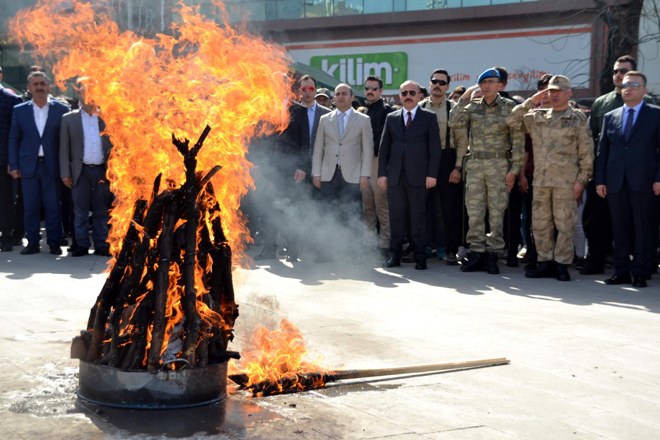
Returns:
(409, 120)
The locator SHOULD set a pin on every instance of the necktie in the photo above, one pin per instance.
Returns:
(409, 120)
(627, 129)
(340, 124)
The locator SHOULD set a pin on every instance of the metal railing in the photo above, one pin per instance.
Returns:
(258, 10)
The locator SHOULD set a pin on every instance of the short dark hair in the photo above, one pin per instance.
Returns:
(306, 78)
(442, 71)
(38, 73)
(543, 81)
(636, 73)
(627, 59)
(504, 75)
(375, 78)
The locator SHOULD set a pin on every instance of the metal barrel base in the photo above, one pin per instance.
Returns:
(184, 388)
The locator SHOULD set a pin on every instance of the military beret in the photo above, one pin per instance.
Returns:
(488, 73)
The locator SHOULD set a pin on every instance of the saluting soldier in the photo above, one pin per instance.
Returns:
(563, 164)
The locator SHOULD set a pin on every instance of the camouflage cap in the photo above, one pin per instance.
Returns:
(559, 82)
(323, 92)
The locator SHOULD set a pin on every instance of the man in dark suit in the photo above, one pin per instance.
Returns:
(34, 157)
(408, 164)
(628, 174)
(11, 215)
(83, 156)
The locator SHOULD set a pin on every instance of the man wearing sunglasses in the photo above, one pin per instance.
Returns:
(374, 200)
(445, 200)
(596, 216)
(408, 164)
(628, 177)
(495, 158)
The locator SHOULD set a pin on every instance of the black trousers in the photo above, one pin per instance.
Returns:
(404, 198)
(634, 228)
(11, 208)
(597, 225)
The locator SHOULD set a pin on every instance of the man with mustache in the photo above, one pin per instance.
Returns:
(34, 147)
(563, 163)
(494, 162)
(374, 200)
(445, 200)
(408, 164)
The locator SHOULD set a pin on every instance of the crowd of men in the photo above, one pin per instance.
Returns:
(475, 176)
(54, 164)
(468, 177)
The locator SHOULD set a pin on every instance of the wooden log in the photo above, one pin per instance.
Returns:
(161, 286)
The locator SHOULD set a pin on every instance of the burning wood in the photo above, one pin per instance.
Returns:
(313, 380)
(168, 301)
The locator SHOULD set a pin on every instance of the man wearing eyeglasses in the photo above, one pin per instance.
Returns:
(374, 200)
(445, 200)
(408, 164)
(628, 177)
(495, 159)
(596, 217)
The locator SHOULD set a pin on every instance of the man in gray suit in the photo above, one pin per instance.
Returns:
(83, 157)
(343, 151)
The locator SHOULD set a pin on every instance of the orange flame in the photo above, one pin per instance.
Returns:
(149, 88)
(279, 358)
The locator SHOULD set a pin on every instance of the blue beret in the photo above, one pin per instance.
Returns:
(488, 73)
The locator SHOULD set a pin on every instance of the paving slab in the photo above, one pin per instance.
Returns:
(584, 356)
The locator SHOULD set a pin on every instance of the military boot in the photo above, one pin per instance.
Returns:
(491, 263)
(475, 262)
(562, 272)
(545, 269)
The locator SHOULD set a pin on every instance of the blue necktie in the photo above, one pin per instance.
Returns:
(627, 129)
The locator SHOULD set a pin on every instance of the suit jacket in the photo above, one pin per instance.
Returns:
(353, 152)
(24, 139)
(415, 149)
(7, 102)
(636, 161)
(309, 147)
(72, 144)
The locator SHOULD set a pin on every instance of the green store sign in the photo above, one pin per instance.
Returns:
(353, 69)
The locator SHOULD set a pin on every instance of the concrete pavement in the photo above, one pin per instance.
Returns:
(585, 357)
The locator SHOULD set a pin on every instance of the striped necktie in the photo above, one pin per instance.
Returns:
(340, 123)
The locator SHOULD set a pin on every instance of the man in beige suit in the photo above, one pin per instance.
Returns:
(343, 151)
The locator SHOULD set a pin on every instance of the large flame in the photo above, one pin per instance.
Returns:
(279, 359)
(149, 88)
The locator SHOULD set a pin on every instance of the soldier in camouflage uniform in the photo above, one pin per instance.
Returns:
(494, 160)
(563, 163)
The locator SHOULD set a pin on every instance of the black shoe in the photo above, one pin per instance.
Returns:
(452, 259)
(512, 260)
(420, 265)
(103, 251)
(393, 261)
(475, 262)
(267, 253)
(384, 253)
(491, 263)
(292, 258)
(562, 272)
(80, 251)
(55, 249)
(617, 279)
(30, 249)
(545, 269)
(592, 266)
(639, 282)
(63, 242)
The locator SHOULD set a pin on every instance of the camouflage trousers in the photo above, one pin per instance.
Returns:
(375, 210)
(485, 191)
(554, 208)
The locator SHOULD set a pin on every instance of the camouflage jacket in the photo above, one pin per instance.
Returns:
(563, 149)
(484, 128)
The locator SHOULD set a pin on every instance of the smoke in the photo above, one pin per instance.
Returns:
(295, 215)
